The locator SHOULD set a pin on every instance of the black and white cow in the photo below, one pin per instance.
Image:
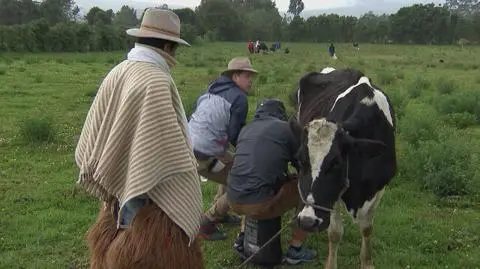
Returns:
(347, 153)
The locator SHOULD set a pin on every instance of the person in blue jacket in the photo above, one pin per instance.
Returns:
(218, 116)
(331, 50)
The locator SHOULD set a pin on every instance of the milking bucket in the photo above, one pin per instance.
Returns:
(257, 233)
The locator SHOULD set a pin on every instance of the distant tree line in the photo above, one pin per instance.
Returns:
(55, 25)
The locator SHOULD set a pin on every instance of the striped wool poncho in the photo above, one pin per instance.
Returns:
(135, 140)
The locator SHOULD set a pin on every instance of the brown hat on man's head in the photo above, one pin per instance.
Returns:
(240, 64)
(159, 23)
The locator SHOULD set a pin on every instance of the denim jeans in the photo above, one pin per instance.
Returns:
(131, 209)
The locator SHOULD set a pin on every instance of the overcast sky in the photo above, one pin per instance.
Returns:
(282, 5)
(310, 4)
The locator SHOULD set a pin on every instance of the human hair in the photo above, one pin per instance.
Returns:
(156, 42)
(230, 74)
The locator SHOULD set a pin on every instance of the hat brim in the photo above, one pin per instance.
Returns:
(251, 70)
(137, 32)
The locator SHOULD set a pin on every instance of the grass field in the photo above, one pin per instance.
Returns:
(417, 226)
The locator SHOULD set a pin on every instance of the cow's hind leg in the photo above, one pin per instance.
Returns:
(365, 223)
(335, 233)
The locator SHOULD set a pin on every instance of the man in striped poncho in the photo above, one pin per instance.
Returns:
(134, 154)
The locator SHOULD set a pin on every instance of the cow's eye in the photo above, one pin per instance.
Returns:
(333, 163)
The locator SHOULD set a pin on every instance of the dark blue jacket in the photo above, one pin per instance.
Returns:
(264, 149)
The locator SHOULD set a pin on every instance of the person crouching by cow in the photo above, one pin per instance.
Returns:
(134, 154)
(218, 115)
(258, 185)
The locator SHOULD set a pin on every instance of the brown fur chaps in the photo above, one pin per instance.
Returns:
(153, 241)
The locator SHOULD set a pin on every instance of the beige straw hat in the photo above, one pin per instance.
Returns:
(161, 24)
(240, 64)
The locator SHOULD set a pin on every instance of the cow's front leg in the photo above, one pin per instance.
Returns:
(335, 233)
(366, 250)
(365, 223)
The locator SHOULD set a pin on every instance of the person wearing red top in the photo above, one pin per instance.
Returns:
(250, 46)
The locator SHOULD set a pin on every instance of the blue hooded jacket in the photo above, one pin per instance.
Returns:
(218, 115)
(265, 147)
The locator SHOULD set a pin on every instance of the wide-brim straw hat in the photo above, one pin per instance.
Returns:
(240, 64)
(161, 24)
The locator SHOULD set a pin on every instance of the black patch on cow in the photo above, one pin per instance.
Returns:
(367, 176)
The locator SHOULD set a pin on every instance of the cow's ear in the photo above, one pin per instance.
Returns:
(367, 148)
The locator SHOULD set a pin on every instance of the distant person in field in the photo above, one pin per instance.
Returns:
(331, 51)
(134, 154)
(251, 48)
(259, 185)
(218, 116)
(275, 46)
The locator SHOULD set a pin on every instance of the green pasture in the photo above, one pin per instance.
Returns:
(430, 214)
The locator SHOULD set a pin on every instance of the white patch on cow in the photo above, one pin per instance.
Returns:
(365, 213)
(327, 70)
(382, 103)
(351, 211)
(310, 199)
(362, 80)
(368, 101)
(378, 98)
(308, 213)
(320, 137)
(299, 103)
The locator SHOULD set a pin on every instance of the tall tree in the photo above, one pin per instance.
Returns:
(99, 16)
(421, 24)
(56, 11)
(126, 17)
(463, 7)
(186, 15)
(296, 7)
(19, 11)
(221, 17)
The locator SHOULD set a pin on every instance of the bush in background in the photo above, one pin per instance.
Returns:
(37, 130)
(439, 157)
(444, 166)
(446, 86)
(420, 123)
(418, 86)
(460, 120)
(63, 37)
(460, 102)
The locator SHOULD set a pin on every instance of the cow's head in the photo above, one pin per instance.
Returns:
(325, 147)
